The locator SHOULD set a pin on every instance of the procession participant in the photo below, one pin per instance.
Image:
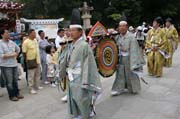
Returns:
(67, 38)
(156, 47)
(172, 36)
(139, 36)
(65, 46)
(131, 29)
(61, 66)
(84, 83)
(130, 60)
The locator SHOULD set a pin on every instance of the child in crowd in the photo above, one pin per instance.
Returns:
(50, 65)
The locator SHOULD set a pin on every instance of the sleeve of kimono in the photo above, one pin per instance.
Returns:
(148, 40)
(136, 56)
(175, 37)
(90, 75)
(62, 63)
(164, 42)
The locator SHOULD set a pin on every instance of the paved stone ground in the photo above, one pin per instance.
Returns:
(160, 99)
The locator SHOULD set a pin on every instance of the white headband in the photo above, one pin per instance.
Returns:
(122, 23)
(75, 26)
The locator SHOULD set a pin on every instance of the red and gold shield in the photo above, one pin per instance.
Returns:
(97, 30)
(106, 54)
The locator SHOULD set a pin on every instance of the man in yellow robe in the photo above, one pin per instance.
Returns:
(156, 47)
(172, 36)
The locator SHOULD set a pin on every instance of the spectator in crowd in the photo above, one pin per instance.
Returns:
(43, 43)
(60, 35)
(1, 94)
(15, 37)
(31, 53)
(50, 65)
(8, 64)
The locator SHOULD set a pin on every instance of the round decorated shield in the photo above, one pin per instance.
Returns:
(106, 54)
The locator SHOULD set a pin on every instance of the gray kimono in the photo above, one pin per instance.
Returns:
(130, 59)
(84, 79)
(62, 62)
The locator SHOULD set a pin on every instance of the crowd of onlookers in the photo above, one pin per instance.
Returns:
(37, 56)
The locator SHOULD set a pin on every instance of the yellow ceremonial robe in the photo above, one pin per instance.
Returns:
(155, 42)
(172, 36)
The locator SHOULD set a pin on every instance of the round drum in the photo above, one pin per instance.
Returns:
(106, 53)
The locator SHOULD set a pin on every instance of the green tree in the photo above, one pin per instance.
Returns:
(105, 11)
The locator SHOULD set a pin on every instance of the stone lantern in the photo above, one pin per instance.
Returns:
(86, 16)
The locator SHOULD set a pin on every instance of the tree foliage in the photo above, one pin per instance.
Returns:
(106, 11)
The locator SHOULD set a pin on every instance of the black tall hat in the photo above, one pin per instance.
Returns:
(123, 19)
(159, 20)
(75, 19)
(169, 20)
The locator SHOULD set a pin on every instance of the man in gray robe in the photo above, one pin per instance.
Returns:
(84, 83)
(130, 61)
(61, 66)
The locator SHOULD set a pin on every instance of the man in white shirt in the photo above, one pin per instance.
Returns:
(59, 38)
